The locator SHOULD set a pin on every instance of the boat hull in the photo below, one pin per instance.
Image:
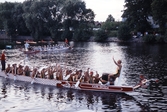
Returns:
(97, 87)
(31, 52)
(29, 79)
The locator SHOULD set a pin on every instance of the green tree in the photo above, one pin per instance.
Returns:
(110, 18)
(159, 10)
(101, 36)
(136, 14)
(79, 19)
(6, 15)
(19, 22)
(32, 16)
(124, 32)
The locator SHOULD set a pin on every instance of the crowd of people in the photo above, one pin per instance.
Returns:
(57, 72)
(53, 72)
(55, 47)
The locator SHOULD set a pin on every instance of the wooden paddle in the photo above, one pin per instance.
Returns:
(15, 78)
(78, 82)
(33, 78)
(144, 81)
(7, 74)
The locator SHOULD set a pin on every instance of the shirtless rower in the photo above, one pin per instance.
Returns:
(27, 71)
(86, 76)
(8, 69)
(34, 73)
(96, 78)
(20, 70)
(77, 75)
(42, 73)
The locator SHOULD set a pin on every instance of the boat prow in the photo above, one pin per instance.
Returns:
(97, 87)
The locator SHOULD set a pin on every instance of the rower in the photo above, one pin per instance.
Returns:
(34, 73)
(96, 78)
(86, 76)
(8, 69)
(26, 45)
(42, 73)
(78, 75)
(91, 77)
(20, 70)
(112, 77)
(27, 71)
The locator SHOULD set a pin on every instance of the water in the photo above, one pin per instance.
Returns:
(137, 58)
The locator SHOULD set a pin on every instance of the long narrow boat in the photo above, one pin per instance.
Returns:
(31, 52)
(57, 49)
(67, 84)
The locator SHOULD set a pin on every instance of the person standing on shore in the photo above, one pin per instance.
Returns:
(3, 60)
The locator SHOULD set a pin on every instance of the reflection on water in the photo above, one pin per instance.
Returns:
(140, 58)
(21, 96)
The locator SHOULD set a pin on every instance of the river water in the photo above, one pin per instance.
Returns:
(137, 58)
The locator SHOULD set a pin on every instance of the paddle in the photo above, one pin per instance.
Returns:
(68, 76)
(33, 79)
(7, 74)
(78, 82)
(15, 73)
(144, 81)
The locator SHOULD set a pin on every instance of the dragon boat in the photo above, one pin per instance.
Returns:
(31, 52)
(72, 85)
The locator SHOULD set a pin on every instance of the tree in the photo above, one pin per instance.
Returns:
(136, 14)
(159, 10)
(79, 19)
(110, 18)
(6, 15)
(19, 22)
(124, 32)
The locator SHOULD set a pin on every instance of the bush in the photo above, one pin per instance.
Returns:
(3, 44)
(124, 32)
(81, 35)
(100, 36)
(150, 38)
(113, 33)
(160, 38)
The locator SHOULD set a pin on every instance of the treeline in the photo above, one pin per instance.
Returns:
(70, 19)
(58, 19)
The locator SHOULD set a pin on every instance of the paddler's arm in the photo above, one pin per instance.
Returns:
(144, 81)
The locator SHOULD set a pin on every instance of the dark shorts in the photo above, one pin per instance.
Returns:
(105, 77)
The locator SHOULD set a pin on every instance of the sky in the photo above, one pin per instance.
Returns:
(102, 8)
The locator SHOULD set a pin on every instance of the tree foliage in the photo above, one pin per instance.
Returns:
(136, 13)
(77, 17)
(110, 18)
(159, 11)
(46, 17)
(124, 32)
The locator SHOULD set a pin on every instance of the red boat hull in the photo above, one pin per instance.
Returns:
(97, 87)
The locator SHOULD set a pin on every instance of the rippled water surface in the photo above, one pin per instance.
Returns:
(137, 58)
